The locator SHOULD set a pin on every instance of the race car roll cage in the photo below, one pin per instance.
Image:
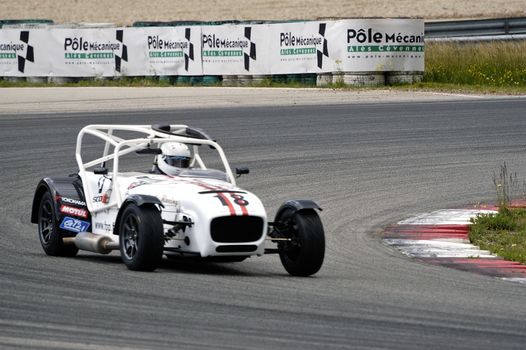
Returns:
(155, 136)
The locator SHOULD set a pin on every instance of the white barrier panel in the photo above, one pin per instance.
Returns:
(21, 53)
(300, 47)
(235, 49)
(78, 52)
(66, 52)
(163, 51)
(382, 45)
(357, 45)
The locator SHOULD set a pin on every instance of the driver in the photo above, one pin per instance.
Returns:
(174, 157)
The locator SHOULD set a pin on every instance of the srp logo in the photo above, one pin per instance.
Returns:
(74, 225)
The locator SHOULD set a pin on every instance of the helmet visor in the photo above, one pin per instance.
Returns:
(177, 161)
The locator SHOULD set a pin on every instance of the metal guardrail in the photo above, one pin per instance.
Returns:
(505, 27)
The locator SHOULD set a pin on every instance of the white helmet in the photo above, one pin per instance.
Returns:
(173, 157)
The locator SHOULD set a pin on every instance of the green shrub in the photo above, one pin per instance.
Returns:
(503, 234)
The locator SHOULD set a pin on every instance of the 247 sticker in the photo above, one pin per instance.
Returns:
(74, 225)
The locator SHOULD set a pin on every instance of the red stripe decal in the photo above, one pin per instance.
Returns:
(228, 203)
(224, 198)
(244, 210)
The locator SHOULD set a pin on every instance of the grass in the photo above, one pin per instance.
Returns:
(485, 67)
(464, 88)
(503, 234)
(492, 64)
(123, 82)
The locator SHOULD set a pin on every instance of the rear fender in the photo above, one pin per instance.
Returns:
(67, 194)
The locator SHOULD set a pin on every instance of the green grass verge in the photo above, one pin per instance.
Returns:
(461, 88)
(123, 82)
(152, 82)
(503, 234)
(483, 64)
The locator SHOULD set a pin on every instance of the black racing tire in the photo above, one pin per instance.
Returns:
(141, 237)
(48, 233)
(304, 254)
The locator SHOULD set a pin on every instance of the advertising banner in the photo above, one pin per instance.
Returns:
(235, 49)
(67, 52)
(23, 53)
(354, 45)
(379, 45)
(300, 47)
(88, 52)
(164, 51)
(76, 52)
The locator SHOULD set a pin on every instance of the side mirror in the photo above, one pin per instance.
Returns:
(242, 171)
(100, 171)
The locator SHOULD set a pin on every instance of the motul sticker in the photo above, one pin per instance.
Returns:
(74, 211)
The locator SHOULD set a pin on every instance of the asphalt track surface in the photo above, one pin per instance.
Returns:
(367, 165)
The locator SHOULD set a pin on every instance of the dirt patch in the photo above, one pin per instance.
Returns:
(125, 12)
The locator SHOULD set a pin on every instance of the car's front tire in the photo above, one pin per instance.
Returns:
(303, 255)
(48, 232)
(141, 238)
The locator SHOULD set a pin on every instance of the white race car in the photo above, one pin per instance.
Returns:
(197, 212)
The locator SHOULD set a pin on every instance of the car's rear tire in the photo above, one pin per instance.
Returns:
(141, 238)
(50, 238)
(303, 255)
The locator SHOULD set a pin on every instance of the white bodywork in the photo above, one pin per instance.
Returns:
(186, 198)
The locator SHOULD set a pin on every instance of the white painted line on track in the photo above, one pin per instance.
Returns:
(446, 217)
(438, 249)
(459, 95)
(515, 279)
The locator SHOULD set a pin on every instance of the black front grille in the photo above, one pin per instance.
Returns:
(236, 229)
(244, 248)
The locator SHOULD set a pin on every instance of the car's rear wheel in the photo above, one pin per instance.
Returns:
(141, 237)
(50, 238)
(303, 254)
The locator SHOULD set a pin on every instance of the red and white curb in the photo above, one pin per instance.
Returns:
(441, 238)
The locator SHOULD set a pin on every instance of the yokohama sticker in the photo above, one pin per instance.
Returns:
(74, 211)
(72, 201)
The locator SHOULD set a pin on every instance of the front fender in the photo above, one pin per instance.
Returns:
(142, 199)
(139, 200)
(296, 205)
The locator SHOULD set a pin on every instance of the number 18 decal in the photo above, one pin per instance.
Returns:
(237, 199)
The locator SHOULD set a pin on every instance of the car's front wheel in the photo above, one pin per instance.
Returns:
(48, 232)
(303, 253)
(141, 238)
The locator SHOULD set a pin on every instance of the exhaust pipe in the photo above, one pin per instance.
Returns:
(95, 243)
